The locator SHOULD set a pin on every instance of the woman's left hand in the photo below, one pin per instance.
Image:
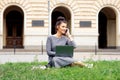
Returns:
(68, 32)
(69, 35)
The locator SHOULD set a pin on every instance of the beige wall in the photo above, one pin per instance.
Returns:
(81, 10)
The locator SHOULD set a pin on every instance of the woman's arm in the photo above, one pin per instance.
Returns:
(70, 39)
(71, 42)
(49, 47)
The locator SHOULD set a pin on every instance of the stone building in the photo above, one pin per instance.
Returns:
(27, 23)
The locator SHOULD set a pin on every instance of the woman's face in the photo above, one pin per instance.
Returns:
(62, 28)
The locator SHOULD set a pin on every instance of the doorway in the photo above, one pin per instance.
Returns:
(60, 11)
(14, 27)
(107, 28)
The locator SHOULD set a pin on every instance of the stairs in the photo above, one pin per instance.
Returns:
(39, 51)
(21, 51)
(100, 51)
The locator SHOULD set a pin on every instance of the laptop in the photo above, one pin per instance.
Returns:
(64, 51)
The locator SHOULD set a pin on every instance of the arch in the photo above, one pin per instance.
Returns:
(60, 11)
(13, 27)
(60, 8)
(107, 27)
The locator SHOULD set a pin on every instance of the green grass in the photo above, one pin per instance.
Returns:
(102, 70)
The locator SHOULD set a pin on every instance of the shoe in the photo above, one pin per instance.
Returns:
(89, 65)
(39, 67)
(42, 67)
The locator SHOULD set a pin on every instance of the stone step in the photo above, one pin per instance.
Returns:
(20, 50)
(76, 50)
(98, 50)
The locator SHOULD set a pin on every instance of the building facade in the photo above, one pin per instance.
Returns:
(27, 23)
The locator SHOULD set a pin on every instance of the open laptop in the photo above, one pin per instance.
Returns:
(64, 51)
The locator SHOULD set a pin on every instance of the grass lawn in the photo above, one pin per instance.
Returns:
(102, 70)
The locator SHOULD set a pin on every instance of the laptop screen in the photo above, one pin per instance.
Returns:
(64, 51)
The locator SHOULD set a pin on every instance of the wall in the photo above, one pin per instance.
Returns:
(81, 10)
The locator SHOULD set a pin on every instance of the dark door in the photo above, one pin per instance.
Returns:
(55, 15)
(102, 30)
(14, 27)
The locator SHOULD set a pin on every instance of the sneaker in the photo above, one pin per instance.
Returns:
(42, 67)
(89, 65)
(39, 67)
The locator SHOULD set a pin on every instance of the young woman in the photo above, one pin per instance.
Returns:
(62, 37)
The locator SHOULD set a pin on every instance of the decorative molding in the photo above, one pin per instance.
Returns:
(24, 3)
(99, 4)
(71, 3)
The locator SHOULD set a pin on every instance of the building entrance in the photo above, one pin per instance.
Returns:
(60, 11)
(107, 28)
(14, 28)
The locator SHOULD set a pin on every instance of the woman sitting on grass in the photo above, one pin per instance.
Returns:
(62, 37)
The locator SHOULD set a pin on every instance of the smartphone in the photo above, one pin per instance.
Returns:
(66, 31)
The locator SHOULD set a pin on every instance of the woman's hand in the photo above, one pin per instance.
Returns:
(67, 32)
(69, 35)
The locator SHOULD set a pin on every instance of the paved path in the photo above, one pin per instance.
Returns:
(29, 57)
